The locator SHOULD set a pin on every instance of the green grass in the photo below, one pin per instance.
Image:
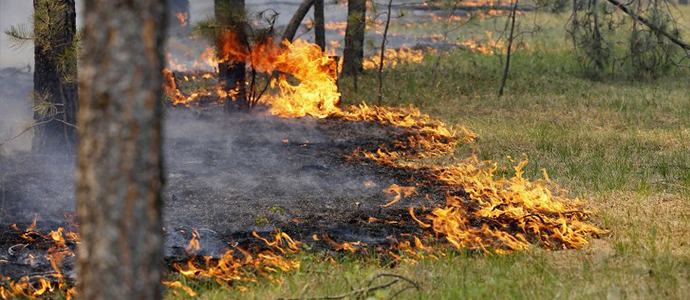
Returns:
(621, 143)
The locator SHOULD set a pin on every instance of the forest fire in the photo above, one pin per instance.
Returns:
(43, 284)
(482, 211)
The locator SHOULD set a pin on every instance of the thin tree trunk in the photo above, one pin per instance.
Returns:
(319, 30)
(353, 54)
(55, 74)
(510, 47)
(383, 51)
(291, 29)
(119, 176)
(232, 75)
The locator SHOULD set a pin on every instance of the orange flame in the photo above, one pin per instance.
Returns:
(182, 17)
(399, 192)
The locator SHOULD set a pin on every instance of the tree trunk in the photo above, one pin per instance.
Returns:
(55, 74)
(293, 25)
(353, 54)
(319, 30)
(232, 75)
(119, 176)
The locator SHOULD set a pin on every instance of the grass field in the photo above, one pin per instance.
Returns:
(619, 142)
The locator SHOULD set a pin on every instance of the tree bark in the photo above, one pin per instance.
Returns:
(55, 72)
(319, 30)
(119, 176)
(232, 75)
(353, 54)
(293, 25)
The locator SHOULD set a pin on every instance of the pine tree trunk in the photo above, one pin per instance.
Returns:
(55, 86)
(232, 75)
(353, 54)
(319, 30)
(119, 177)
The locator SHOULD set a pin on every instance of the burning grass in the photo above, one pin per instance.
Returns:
(483, 211)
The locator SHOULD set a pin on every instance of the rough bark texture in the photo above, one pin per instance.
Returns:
(119, 177)
(293, 25)
(232, 75)
(55, 76)
(319, 30)
(353, 54)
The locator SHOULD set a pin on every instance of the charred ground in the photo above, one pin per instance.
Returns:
(230, 175)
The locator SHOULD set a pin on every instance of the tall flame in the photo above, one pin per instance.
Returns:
(316, 93)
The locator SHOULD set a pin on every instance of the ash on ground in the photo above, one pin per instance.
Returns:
(228, 175)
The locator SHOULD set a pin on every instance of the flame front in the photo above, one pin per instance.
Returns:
(316, 94)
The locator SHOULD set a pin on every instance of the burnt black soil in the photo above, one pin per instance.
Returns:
(231, 174)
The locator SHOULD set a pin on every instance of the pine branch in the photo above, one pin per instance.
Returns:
(19, 36)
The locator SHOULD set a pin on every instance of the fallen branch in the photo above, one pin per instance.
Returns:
(649, 24)
(368, 289)
(355, 292)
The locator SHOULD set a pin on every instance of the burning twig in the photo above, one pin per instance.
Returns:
(399, 191)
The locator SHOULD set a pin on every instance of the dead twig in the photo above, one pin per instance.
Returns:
(355, 292)
(367, 290)
(27, 128)
(649, 24)
(416, 285)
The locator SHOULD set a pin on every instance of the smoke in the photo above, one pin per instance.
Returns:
(242, 172)
(226, 173)
(15, 112)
